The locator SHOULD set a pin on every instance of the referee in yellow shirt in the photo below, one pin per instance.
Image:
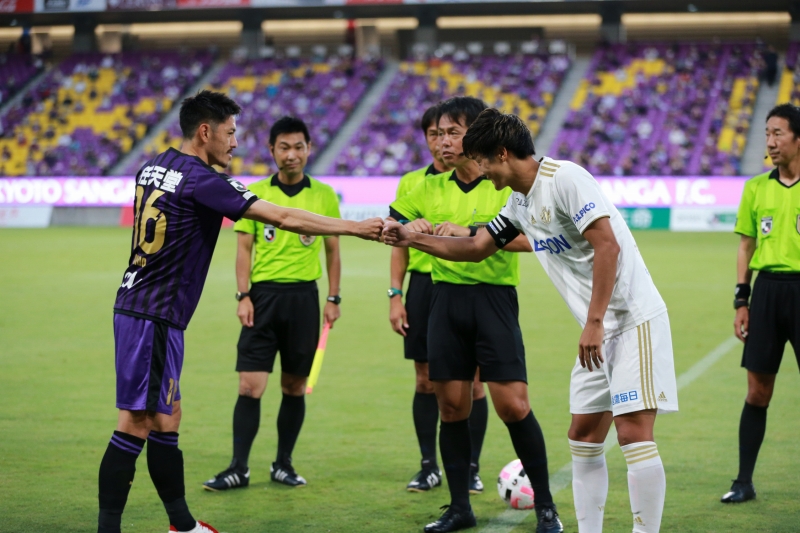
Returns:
(280, 311)
(769, 225)
(411, 320)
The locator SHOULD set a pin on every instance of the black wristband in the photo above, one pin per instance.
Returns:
(742, 291)
(473, 230)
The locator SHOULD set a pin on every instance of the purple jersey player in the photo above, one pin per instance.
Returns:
(180, 203)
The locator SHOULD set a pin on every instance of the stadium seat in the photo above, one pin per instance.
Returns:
(390, 143)
(663, 109)
(91, 109)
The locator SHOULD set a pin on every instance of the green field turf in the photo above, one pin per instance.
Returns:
(357, 448)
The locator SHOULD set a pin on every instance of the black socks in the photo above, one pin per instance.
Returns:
(290, 420)
(478, 419)
(165, 463)
(246, 417)
(426, 415)
(752, 427)
(455, 445)
(116, 477)
(526, 435)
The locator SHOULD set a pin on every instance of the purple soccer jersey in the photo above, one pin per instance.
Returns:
(178, 211)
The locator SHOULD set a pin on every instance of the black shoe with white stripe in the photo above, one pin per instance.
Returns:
(233, 477)
(475, 483)
(425, 479)
(284, 473)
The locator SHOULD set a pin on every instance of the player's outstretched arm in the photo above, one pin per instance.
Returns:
(472, 249)
(305, 223)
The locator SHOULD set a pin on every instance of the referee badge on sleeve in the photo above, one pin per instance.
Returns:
(766, 225)
(269, 233)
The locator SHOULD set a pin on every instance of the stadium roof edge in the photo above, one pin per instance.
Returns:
(367, 10)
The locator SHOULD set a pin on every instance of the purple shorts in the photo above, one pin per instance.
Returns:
(149, 358)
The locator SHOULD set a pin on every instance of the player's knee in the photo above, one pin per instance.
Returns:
(512, 411)
(424, 386)
(453, 411)
(581, 433)
(250, 390)
(292, 385)
(759, 397)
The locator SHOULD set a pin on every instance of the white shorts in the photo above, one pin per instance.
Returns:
(638, 373)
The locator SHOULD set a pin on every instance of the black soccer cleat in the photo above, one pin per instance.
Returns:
(547, 519)
(741, 491)
(284, 473)
(475, 483)
(425, 479)
(232, 477)
(452, 519)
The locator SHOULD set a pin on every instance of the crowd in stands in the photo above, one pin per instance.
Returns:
(91, 109)
(391, 143)
(663, 109)
(322, 92)
(642, 109)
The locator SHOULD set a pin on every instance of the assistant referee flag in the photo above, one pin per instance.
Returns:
(442, 198)
(770, 213)
(282, 256)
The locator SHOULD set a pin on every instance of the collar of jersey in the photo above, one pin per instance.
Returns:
(466, 187)
(291, 190)
(535, 181)
(775, 175)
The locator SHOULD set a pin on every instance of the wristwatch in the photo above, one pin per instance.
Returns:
(395, 292)
(242, 295)
(740, 303)
(335, 299)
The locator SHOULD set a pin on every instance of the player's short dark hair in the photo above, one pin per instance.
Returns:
(461, 109)
(791, 113)
(492, 130)
(206, 106)
(429, 118)
(287, 125)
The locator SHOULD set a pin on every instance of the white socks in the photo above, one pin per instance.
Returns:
(647, 485)
(589, 484)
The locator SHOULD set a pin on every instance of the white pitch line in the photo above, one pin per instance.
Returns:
(561, 479)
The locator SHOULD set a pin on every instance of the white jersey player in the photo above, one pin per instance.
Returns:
(624, 370)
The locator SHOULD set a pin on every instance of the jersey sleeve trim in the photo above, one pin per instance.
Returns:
(250, 201)
(397, 215)
(502, 231)
(592, 220)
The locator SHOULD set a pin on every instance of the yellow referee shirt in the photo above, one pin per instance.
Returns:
(770, 213)
(282, 256)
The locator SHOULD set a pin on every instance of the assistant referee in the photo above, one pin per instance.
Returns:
(280, 312)
(769, 225)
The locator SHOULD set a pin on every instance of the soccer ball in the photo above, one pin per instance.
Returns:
(514, 487)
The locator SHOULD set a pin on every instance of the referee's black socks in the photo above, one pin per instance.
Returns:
(246, 418)
(478, 420)
(752, 427)
(454, 443)
(425, 411)
(290, 421)
(528, 440)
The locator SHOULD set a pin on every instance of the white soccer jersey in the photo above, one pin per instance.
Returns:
(564, 200)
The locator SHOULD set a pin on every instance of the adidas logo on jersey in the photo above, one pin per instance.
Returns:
(662, 397)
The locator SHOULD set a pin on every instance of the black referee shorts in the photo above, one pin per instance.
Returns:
(286, 320)
(774, 319)
(475, 326)
(418, 309)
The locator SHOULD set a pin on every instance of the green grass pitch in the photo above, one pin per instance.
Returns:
(357, 448)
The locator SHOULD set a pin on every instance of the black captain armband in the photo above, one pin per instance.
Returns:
(398, 216)
(502, 231)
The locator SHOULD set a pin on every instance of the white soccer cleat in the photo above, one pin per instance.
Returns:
(201, 527)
